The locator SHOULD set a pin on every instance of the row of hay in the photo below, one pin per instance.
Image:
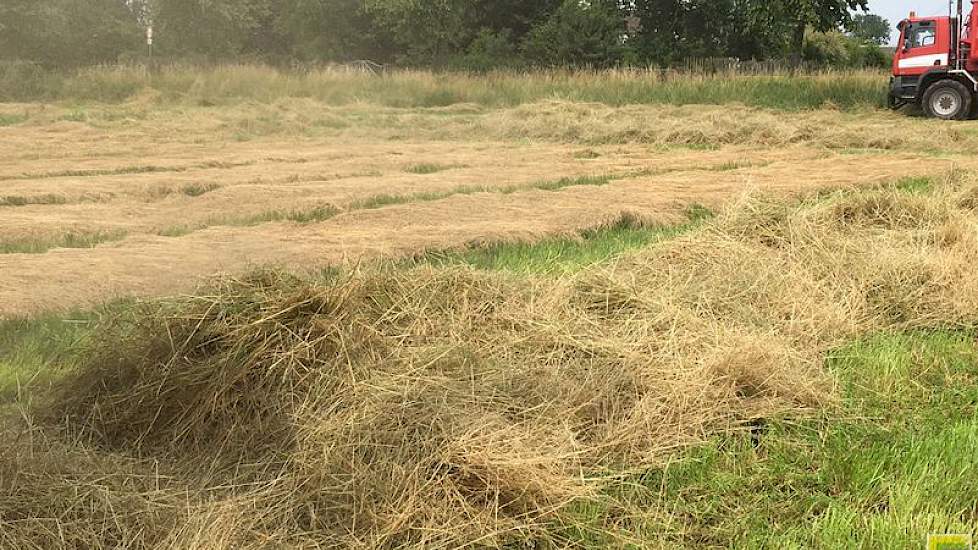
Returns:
(710, 126)
(696, 126)
(596, 124)
(445, 407)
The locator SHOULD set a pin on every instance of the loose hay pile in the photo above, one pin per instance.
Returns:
(444, 406)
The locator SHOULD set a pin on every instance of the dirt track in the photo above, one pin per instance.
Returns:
(118, 179)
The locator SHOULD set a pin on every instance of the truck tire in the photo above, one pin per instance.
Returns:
(948, 100)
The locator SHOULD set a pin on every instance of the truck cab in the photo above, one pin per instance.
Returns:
(934, 67)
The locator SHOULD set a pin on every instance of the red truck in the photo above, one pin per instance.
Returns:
(936, 64)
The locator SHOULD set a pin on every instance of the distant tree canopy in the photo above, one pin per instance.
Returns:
(577, 34)
(475, 34)
(677, 29)
(871, 28)
(66, 32)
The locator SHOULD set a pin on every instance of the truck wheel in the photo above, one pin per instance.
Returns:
(948, 100)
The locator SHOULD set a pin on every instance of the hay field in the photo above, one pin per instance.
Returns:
(147, 196)
(553, 324)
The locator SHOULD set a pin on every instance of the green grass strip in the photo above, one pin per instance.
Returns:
(33, 352)
(896, 463)
(68, 240)
(567, 254)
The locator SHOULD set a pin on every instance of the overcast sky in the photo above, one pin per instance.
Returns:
(897, 10)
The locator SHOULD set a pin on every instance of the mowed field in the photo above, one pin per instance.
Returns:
(144, 198)
(248, 309)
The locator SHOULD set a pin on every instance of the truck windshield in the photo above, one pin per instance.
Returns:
(920, 35)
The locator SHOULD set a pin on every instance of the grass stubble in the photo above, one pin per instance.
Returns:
(315, 214)
(444, 406)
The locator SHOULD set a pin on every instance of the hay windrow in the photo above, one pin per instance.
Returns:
(696, 125)
(444, 406)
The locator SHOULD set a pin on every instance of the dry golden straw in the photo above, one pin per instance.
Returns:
(447, 407)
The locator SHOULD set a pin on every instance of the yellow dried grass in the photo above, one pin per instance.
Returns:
(446, 407)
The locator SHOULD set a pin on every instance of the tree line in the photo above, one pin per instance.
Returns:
(472, 34)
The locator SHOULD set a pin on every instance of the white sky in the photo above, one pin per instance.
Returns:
(897, 10)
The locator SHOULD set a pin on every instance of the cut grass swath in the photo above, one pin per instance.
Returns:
(448, 406)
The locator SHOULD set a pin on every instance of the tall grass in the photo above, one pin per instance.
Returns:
(35, 351)
(426, 89)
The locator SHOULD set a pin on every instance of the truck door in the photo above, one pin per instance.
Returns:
(925, 46)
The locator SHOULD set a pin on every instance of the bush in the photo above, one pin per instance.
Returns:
(26, 81)
(490, 50)
(67, 33)
(867, 54)
(578, 34)
(835, 49)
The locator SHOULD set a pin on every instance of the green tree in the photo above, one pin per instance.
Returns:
(334, 30)
(142, 10)
(516, 17)
(578, 34)
(820, 15)
(676, 29)
(211, 28)
(732, 28)
(503, 26)
(424, 31)
(871, 28)
(826, 48)
(441, 31)
(663, 36)
(836, 49)
(490, 50)
(67, 33)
